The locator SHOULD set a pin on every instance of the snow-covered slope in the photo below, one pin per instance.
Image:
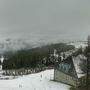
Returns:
(39, 81)
(79, 44)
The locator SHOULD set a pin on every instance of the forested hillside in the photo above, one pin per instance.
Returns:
(35, 57)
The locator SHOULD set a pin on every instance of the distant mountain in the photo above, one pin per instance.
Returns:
(13, 45)
(18, 44)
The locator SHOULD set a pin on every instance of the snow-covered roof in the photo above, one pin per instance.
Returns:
(77, 61)
(73, 66)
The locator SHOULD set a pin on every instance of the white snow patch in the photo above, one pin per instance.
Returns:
(39, 81)
(79, 44)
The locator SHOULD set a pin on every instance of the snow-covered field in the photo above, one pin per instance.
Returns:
(79, 44)
(38, 81)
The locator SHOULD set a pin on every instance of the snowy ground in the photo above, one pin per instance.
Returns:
(39, 81)
(79, 44)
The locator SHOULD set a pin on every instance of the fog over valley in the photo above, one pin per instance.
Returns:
(44, 21)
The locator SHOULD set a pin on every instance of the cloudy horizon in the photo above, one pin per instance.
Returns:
(47, 20)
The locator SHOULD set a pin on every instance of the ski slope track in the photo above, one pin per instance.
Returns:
(37, 81)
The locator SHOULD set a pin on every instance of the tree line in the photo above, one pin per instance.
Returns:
(35, 57)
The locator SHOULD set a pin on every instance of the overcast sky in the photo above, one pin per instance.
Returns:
(45, 19)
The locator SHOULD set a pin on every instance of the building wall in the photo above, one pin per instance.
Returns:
(64, 78)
